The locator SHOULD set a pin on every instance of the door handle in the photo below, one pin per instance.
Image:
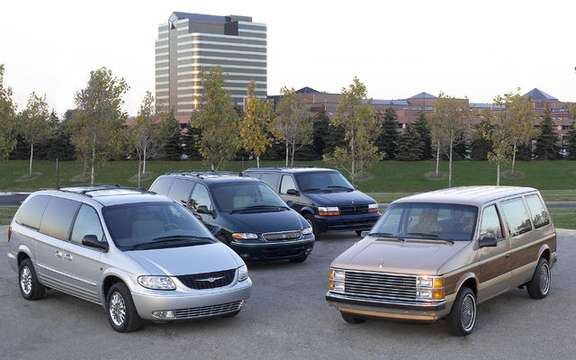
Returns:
(59, 254)
(68, 256)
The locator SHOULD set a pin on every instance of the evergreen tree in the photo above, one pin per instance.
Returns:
(481, 145)
(547, 142)
(410, 145)
(169, 137)
(190, 140)
(421, 126)
(389, 136)
(524, 152)
(60, 146)
(320, 134)
(571, 142)
(461, 147)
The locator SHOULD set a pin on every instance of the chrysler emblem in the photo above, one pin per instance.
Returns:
(211, 279)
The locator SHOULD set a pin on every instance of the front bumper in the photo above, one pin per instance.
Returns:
(191, 304)
(358, 222)
(280, 250)
(405, 310)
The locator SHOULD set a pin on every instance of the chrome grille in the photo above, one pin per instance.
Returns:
(282, 236)
(208, 280)
(387, 286)
(210, 310)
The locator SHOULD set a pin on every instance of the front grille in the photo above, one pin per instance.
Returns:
(210, 310)
(208, 280)
(282, 236)
(352, 210)
(396, 287)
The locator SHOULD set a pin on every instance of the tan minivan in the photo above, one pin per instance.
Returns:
(438, 254)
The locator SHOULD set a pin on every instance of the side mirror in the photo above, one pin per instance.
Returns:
(487, 240)
(364, 233)
(293, 192)
(203, 209)
(93, 242)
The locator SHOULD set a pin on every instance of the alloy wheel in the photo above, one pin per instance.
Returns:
(26, 280)
(545, 278)
(117, 309)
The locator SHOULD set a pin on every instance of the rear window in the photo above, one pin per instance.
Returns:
(30, 213)
(540, 216)
(162, 185)
(181, 190)
(516, 216)
(58, 217)
(273, 180)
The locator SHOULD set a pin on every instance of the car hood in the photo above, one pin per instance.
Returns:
(186, 260)
(262, 222)
(409, 257)
(340, 198)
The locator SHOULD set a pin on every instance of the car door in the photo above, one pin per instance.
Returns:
(180, 191)
(492, 271)
(54, 232)
(82, 264)
(202, 206)
(289, 192)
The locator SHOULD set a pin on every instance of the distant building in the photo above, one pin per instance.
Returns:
(189, 44)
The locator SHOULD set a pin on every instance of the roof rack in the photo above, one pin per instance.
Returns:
(282, 167)
(87, 189)
(204, 173)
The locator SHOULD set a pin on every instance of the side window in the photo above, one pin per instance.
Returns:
(201, 197)
(287, 184)
(540, 216)
(58, 217)
(273, 180)
(30, 213)
(161, 186)
(516, 216)
(490, 223)
(87, 223)
(180, 190)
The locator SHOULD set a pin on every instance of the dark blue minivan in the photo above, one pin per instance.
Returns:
(326, 199)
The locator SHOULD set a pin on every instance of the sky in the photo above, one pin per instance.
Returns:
(474, 48)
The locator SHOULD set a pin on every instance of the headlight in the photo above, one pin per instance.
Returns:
(242, 273)
(430, 288)
(157, 282)
(307, 231)
(328, 211)
(373, 207)
(337, 278)
(244, 236)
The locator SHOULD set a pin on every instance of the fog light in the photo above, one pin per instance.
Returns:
(163, 314)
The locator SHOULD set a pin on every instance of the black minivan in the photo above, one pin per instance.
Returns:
(243, 213)
(323, 196)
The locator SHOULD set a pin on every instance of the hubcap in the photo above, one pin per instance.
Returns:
(468, 317)
(117, 309)
(545, 279)
(26, 280)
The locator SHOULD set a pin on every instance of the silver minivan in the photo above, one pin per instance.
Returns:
(139, 255)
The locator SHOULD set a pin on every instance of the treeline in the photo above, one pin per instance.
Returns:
(352, 139)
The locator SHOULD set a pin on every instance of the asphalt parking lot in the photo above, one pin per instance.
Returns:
(287, 318)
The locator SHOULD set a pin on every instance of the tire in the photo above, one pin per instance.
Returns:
(351, 319)
(312, 222)
(462, 318)
(539, 286)
(299, 259)
(231, 315)
(30, 287)
(121, 311)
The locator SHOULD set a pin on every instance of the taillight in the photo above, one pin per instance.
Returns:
(9, 232)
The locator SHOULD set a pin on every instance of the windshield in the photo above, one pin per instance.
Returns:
(154, 225)
(330, 181)
(246, 196)
(427, 221)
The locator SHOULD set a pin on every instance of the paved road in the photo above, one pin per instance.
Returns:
(288, 319)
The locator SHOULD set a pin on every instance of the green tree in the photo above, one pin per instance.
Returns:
(8, 131)
(190, 140)
(60, 146)
(320, 134)
(571, 136)
(143, 132)
(34, 124)
(217, 120)
(99, 118)
(355, 114)
(254, 124)
(481, 144)
(389, 136)
(292, 124)
(547, 142)
(169, 137)
(449, 119)
(499, 135)
(423, 129)
(410, 145)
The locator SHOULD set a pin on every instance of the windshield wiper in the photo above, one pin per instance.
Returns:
(429, 236)
(258, 207)
(340, 187)
(172, 240)
(312, 189)
(382, 234)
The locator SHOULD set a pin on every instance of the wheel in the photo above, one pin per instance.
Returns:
(351, 319)
(299, 259)
(121, 311)
(30, 287)
(539, 286)
(232, 314)
(462, 318)
(312, 222)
